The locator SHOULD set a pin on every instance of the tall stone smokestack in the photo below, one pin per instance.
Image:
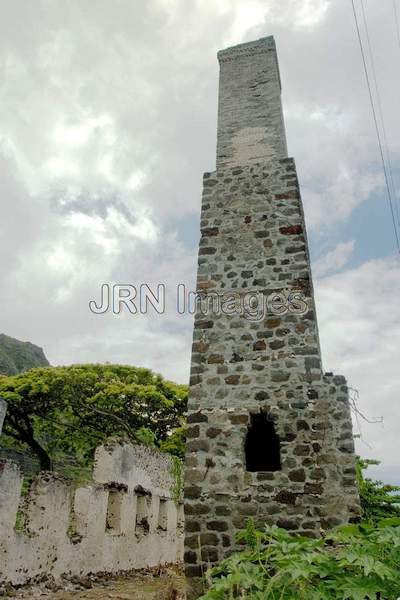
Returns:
(250, 119)
(269, 434)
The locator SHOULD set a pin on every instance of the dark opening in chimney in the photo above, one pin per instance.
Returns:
(262, 447)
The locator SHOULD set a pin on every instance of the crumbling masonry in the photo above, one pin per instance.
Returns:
(269, 434)
(129, 517)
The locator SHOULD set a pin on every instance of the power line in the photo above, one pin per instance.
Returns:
(378, 96)
(376, 125)
(397, 25)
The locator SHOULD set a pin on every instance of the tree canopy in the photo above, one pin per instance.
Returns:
(70, 410)
(378, 500)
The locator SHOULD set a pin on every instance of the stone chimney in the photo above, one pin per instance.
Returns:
(250, 119)
(269, 435)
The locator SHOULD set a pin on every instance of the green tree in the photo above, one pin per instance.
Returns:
(378, 500)
(176, 443)
(59, 411)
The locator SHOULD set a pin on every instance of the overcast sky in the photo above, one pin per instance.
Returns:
(107, 122)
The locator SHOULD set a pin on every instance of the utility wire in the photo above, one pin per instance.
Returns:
(378, 96)
(397, 24)
(376, 125)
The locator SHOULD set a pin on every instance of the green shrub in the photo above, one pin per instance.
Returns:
(353, 562)
(378, 500)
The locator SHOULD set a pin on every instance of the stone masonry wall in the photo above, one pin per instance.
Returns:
(250, 119)
(126, 519)
(256, 350)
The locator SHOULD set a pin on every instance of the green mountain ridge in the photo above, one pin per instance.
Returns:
(17, 356)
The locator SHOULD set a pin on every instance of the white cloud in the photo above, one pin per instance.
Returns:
(107, 121)
(312, 12)
(335, 259)
(248, 14)
(294, 14)
(359, 324)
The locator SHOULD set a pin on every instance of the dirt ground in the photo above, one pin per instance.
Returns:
(168, 585)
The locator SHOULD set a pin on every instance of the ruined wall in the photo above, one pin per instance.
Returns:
(256, 352)
(128, 518)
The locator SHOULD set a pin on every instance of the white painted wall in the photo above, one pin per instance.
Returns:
(127, 519)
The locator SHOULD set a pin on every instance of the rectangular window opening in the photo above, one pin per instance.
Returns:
(21, 517)
(163, 515)
(114, 505)
(262, 445)
(142, 514)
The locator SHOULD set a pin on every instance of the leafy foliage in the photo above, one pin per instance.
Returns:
(378, 500)
(60, 411)
(353, 562)
(176, 443)
(177, 473)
